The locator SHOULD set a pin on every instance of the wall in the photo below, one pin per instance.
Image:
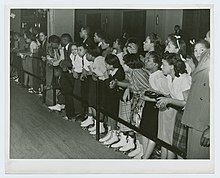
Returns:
(15, 24)
(173, 17)
(168, 18)
(110, 21)
(63, 21)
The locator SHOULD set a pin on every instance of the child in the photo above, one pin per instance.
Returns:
(152, 43)
(28, 60)
(179, 83)
(177, 45)
(81, 51)
(197, 111)
(53, 58)
(112, 95)
(60, 98)
(149, 121)
(118, 49)
(138, 83)
(199, 48)
(106, 47)
(97, 70)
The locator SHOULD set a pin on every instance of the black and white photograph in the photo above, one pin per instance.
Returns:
(113, 84)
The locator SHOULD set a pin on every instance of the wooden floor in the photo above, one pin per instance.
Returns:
(36, 133)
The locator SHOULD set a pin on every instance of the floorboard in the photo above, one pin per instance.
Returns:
(35, 133)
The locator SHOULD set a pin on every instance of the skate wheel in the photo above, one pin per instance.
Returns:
(125, 153)
(116, 149)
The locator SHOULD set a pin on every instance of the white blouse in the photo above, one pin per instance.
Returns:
(179, 85)
(159, 82)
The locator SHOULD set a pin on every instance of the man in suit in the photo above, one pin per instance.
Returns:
(66, 79)
(99, 37)
(85, 35)
(66, 41)
(197, 111)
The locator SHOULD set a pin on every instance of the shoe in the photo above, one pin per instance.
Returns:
(30, 89)
(62, 106)
(89, 121)
(106, 137)
(129, 145)
(139, 155)
(114, 138)
(122, 141)
(101, 129)
(16, 80)
(136, 151)
(91, 129)
(88, 117)
(57, 107)
(65, 118)
(68, 118)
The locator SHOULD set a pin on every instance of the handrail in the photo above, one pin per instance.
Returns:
(107, 113)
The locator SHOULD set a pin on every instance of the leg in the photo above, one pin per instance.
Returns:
(194, 149)
(145, 142)
(70, 111)
(112, 123)
(90, 111)
(171, 155)
(149, 149)
(164, 153)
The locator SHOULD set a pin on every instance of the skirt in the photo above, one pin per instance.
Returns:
(166, 122)
(149, 121)
(180, 133)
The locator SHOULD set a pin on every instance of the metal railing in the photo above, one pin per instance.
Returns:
(102, 110)
(43, 80)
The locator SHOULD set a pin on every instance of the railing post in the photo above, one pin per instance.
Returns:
(97, 110)
(54, 88)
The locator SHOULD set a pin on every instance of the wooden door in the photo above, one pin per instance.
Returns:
(196, 23)
(134, 23)
(94, 22)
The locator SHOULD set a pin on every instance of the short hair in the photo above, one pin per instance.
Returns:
(177, 26)
(75, 44)
(157, 58)
(112, 59)
(133, 61)
(68, 36)
(133, 40)
(81, 44)
(87, 29)
(179, 65)
(204, 42)
(92, 52)
(100, 34)
(108, 40)
(54, 39)
(121, 42)
(43, 32)
(155, 39)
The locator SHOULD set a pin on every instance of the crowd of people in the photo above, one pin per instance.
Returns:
(153, 85)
